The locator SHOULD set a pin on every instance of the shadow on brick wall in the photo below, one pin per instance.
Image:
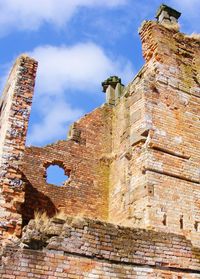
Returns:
(35, 201)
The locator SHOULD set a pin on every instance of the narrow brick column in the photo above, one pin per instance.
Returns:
(15, 106)
(172, 101)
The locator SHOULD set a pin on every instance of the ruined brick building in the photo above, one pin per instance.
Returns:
(133, 167)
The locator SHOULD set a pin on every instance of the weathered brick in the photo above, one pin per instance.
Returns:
(133, 162)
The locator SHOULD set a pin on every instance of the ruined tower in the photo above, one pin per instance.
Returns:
(133, 167)
(15, 105)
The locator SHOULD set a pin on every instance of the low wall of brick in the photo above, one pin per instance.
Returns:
(83, 248)
(53, 265)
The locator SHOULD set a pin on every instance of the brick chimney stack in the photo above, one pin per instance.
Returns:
(167, 15)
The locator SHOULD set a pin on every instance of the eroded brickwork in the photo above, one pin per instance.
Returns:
(157, 151)
(82, 248)
(15, 105)
(49, 265)
(84, 158)
(133, 162)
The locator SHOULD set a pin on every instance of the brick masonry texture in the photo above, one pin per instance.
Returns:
(83, 248)
(157, 158)
(133, 167)
(83, 159)
(14, 115)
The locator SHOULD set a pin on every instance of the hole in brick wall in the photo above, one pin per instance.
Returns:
(181, 222)
(164, 219)
(197, 226)
(1, 108)
(56, 175)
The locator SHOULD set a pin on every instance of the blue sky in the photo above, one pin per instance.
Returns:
(78, 44)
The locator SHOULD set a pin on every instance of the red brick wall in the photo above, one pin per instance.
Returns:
(15, 107)
(82, 248)
(85, 193)
(127, 160)
(172, 156)
(50, 265)
(156, 138)
(136, 163)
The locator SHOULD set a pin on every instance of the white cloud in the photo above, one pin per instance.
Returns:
(189, 4)
(64, 70)
(188, 8)
(79, 67)
(190, 15)
(56, 115)
(31, 14)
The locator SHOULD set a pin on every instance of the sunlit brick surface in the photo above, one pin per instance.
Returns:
(133, 168)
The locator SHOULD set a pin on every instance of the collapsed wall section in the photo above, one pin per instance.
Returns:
(15, 105)
(84, 158)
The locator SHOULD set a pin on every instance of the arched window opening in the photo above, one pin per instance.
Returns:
(181, 222)
(197, 226)
(164, 219)
(56, 175)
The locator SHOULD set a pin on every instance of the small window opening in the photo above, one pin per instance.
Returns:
(181, 222)
(197, 226)
(1, 108)
(56, 175)
(164, 219)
